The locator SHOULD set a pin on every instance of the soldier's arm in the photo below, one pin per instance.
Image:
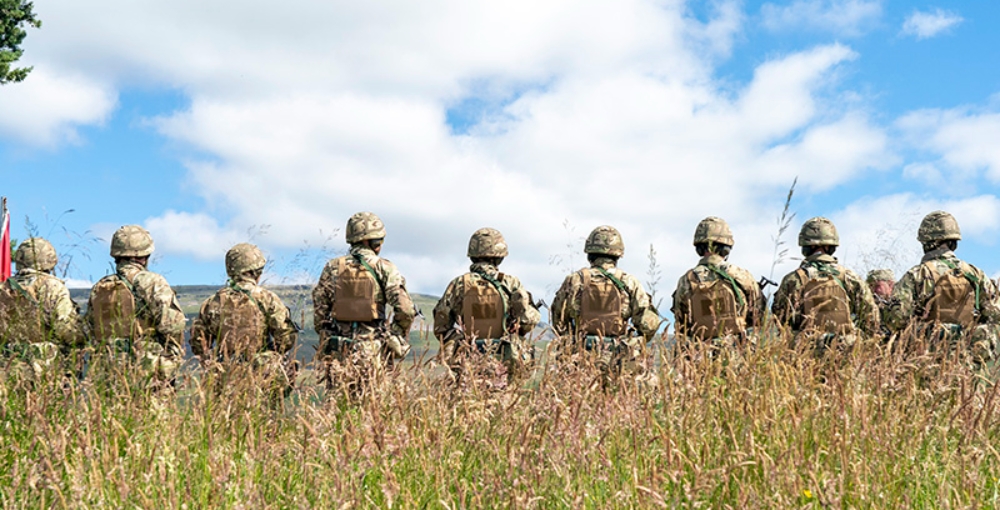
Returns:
(446, 312)
(202, 330)
(168, 318)
(785, 306)
(989, 300)
(64, 315)
(559, 314)
(643, 315)
(279, 323)
(522, 310)
(323, 305)
(868, 320)
(903, 302)
(755, 305)
(399, 299)
(680, 302)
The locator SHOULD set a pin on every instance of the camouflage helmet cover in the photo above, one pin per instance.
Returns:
(363, 226)
(487, 242)
(880, 275)
(36, 253)
(131, 241)
(605, 240)
(939, 226)
(714, 230)
(242, 258)
(818, 231)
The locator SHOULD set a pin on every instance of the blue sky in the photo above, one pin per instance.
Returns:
(540, 119)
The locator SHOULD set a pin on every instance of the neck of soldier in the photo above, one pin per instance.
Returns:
(712, 259)
(244, 280)
(940, 252)
(484, 268)
(604, 262)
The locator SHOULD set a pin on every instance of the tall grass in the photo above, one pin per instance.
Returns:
(772, 428)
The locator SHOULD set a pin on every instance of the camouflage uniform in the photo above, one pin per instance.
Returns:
(877, 279)
(614, 353)
(159, 347)
(60, 321)
(519, 314)
(729, 321)
(915, 296)
(275, 334)
(361, 348)
(860, 313)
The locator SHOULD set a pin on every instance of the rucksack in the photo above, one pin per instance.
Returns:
(715, 306)
(113, 309)
(484, 309)
(825, 305)
(956, 297)
(20, 315)
(601, 305)
(354, 295)
(242, 328)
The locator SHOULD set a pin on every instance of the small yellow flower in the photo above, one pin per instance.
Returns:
(807, 493)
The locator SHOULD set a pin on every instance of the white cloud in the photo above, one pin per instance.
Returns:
(191, 234)
(842, 17)
(924, 25)
(73, 283)
(49, 106)
(962, 139)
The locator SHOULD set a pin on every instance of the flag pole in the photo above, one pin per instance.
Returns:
(5, 255)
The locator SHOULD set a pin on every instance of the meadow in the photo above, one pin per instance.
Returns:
(772, 428)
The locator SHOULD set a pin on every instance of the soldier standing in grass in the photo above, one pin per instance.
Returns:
(945, 299)
(356, 336)
(134, 311)
(824, 303)
(246, 323)
(37, 317)
(603, 311)
(716, 302)
(485, 316)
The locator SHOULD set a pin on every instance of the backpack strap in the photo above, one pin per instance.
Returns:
(249, 295)
(501, 288)
(828, 270)
(381, 284)
(14, 284)
(618, 283)
(976, 283)
(732, 282)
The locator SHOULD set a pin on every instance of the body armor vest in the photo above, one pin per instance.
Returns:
(953, 301)
(355, 292)
(113, 309)
(825, 305)
(601, 307)
(714, 309)
(483, 310)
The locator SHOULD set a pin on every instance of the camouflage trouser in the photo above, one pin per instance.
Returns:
(614, 357)
(980, 343)
(354, 367)
(31, 360)
(821, 344)
(152, 358)
(266, 371)
(489, 363)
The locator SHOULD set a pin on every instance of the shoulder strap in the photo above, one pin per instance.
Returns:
(504, 293)
(976, 283)
(828, 270)
(249, 295)
(14, 284)
(618, 283)
(359, 258)
(732, 282)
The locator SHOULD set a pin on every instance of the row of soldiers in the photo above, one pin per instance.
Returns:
(363, 312)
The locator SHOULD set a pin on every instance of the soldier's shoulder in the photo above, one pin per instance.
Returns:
(740, 275)
(510, 280)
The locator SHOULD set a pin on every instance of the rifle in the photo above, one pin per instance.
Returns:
(764, 282)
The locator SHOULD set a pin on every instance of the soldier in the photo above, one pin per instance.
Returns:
(244, 322)
(823, 301)
(37, 317)
(594, 307)
(486, 312)
(716, 301)
(880, 282)
(134, 311)
(945, 298)
(350, 302)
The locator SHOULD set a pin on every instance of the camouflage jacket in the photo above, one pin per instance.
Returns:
(915, 289)
(752, 307)
(391, 291)
(636, 305)
(60, 315)
(280, 332)
(156, 304)
(522, 315)
(787, 306)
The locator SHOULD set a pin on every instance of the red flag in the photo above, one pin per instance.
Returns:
(4, 243)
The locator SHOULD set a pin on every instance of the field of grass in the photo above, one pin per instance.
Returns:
(772, 429)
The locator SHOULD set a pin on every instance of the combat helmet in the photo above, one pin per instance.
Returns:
(36, 253)
(605, 240)
(131, 241)
(938, 226)
(880, 275)
(242, 258)
(363, 226)
(713, 230)
(487, 243)
(818, 231)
